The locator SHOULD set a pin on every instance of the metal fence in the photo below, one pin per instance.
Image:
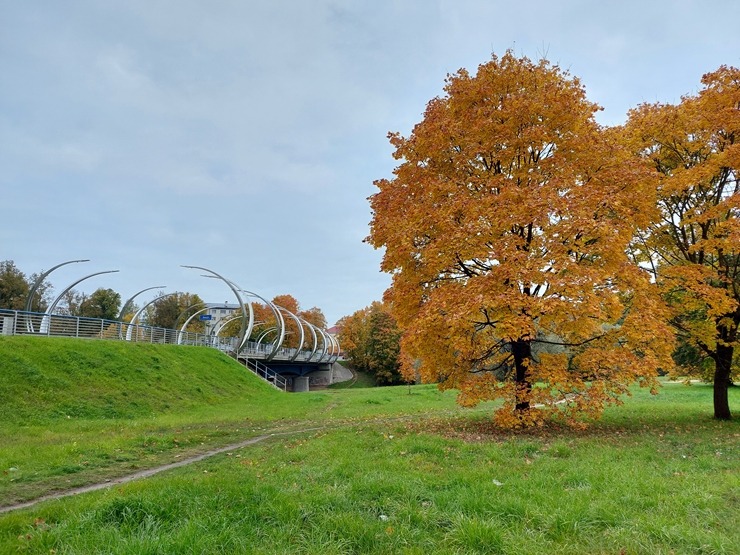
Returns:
(17, 322)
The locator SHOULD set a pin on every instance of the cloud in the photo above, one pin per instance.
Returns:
(245, 136)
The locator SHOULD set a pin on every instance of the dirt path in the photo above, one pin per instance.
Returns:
(190, 460)
(147, 472)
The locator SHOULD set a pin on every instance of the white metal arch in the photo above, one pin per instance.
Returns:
(247, 320)
(132, 323)
(312, 329)
(44, 328)
(300, 327)
(280, 324)
(185, 325)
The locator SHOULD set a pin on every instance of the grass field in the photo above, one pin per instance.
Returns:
(360, 379)
(382, 470)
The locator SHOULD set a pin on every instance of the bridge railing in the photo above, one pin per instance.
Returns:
(267, 374)
(18, 322)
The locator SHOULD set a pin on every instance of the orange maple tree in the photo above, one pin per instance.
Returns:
(315, 316)
(505, 229)
(267, 328)
(370, 339)
(693, 249)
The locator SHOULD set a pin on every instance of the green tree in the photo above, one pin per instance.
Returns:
(42, 296)
(370, 339)
(353, 336)
(14, 286)
(383, 346)
(102, 303)
(71, 302)
(173, 308)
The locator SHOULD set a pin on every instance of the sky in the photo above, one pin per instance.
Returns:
(244, 137)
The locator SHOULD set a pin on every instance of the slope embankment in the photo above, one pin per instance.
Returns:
(57, 378)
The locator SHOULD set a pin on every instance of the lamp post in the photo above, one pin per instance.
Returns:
(128, 304)
(47, 316)
(138, 313)
(246, 321)
(37, 284)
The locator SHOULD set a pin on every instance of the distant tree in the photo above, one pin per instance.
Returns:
(383, 346)
(264, 320)
(505, 227)
(71, 302)
(42, 297)
(353, 336)
(289, 302)
(314, 316)
(370, 340)
(171, 308)
(14, 286)
(292, 332)
(266, 325)
(102, 303)
(693, 247)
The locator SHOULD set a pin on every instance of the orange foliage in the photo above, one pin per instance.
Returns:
(505, 228)
(693, 249)
(370, 340)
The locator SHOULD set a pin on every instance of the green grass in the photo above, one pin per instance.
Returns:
(360, 380)
(388, 472)
(74, 412)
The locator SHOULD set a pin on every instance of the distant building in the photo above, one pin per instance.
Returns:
(334, 331)
(219, 312)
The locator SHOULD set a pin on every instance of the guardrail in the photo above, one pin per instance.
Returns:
(267, 374)
(18, 322)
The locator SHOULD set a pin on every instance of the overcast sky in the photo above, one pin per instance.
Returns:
(245, 136)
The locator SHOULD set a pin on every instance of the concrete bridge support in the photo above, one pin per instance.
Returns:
(321, 376)
(300, 384)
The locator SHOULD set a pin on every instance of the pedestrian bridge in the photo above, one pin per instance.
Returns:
(266, 355)
(268, 358)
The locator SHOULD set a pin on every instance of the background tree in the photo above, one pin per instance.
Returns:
(102, 303)
(370, 339)
(292, 333)
(353, 336)
(265, 321)
(42, 298)
(693, 248)
(505, 228)
(71, 302)
(172, 309)
(383, 346)
(314, 316)
(14, 286)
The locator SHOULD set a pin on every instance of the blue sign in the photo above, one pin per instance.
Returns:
(206, 317)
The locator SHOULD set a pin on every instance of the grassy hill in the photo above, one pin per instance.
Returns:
(360, 470)
(76, 411)
(43, 379)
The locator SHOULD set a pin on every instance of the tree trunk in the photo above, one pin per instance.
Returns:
(726, 336)
(722, 367)
(522, 350)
